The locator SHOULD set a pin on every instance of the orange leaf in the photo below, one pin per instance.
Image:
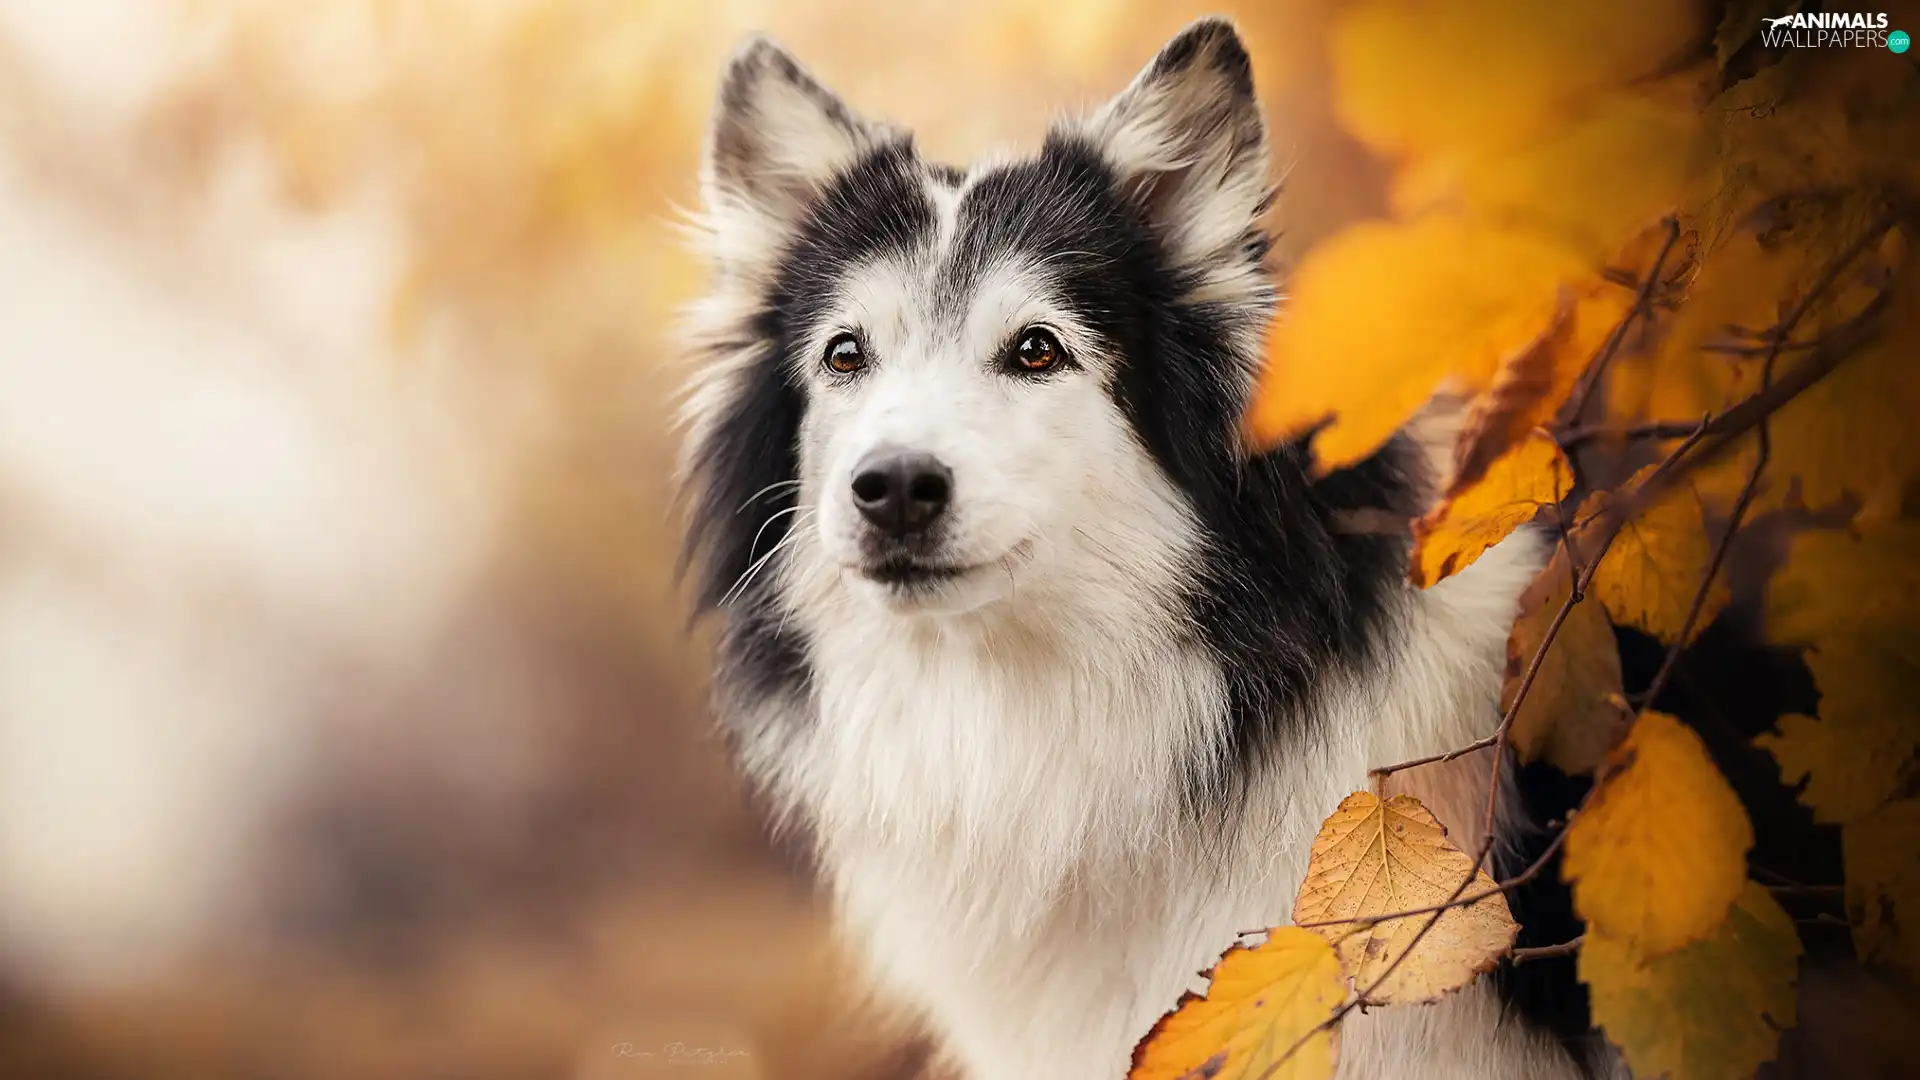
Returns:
(1649, 575)
(1883, 884)
(1864, 747)
(1418, 78)
(1711, 1010)
(1372, 858)
(1260, 1004)
(1836, 582)
(1660, 851)
(1455, 534)
(1593, 182)
(1383, 315)
(1572, 715)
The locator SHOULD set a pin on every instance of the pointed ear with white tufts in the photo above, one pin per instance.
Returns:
(1187, 140)
(776, 138)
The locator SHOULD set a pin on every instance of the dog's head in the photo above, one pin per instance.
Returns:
(935, 388)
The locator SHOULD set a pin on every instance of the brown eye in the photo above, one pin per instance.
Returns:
(844, 355)
(1038, 351)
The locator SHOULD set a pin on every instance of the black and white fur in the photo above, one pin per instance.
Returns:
(1055, 750)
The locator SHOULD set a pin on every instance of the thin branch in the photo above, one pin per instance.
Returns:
(1738, 515)
(1458, 751)
(1653, 429)
(1543, 952)
(1727, 348)
(1764, 452)
(1642, 305)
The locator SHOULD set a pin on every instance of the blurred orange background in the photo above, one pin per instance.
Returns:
(349, 722)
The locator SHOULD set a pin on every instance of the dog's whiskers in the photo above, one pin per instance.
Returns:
(740, 585)
(756, 496)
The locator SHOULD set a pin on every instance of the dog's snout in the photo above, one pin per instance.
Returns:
(901, 492)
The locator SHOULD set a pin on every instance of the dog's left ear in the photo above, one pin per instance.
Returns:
(1188, 141)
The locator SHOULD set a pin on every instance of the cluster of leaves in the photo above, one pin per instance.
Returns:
(1669, 272)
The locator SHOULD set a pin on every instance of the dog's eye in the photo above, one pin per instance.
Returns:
(1038, 351)
(844, 355)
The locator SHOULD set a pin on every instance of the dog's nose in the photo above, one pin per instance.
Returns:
(900, 492)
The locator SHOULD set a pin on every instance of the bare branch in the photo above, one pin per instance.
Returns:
(1764, 451)
(1654, 429)
(1543, 952)
(1642, 305)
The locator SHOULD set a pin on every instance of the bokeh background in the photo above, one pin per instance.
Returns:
(349, 720)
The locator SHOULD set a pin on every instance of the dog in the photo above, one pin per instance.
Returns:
(1058, 679)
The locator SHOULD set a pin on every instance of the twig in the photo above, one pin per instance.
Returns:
(1642, 304)
(1653, 429)
(1543, 952)
(1732, 349)
(1764, 452)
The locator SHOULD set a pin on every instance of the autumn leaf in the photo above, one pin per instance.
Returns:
(1883, 884)
(1711, 1010)
(1616, 168)
(1373, 858)
(1390, 59)
(1383, 315)
(1660, 850)
(1865, 745)
(1521, 481)
(1260, 1004)
(1573, 713)
(1530, 387)
(1739, 25)
(1837, 582)
(1650, 574)
(1852, 435)
(1738, 282)
(1815, 122)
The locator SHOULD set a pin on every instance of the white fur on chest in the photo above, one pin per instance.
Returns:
(998, 810)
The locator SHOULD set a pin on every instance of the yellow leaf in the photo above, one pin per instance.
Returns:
(1593, 182)
(1660, 851)
(1648, 577)
(1572, 714)
(1372, 858)
(1506, 69)
(1455, 534)
(1382, 315)
(1530, 386)
(1815, 122)
(1883, 884)
(1738, 282)
(1865, 746)
(1836, 582)
(1260, 1004)
(1853, 434)
(1712, 1010)
(1739, 25)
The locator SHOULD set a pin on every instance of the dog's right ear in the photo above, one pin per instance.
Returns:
(777, 137)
